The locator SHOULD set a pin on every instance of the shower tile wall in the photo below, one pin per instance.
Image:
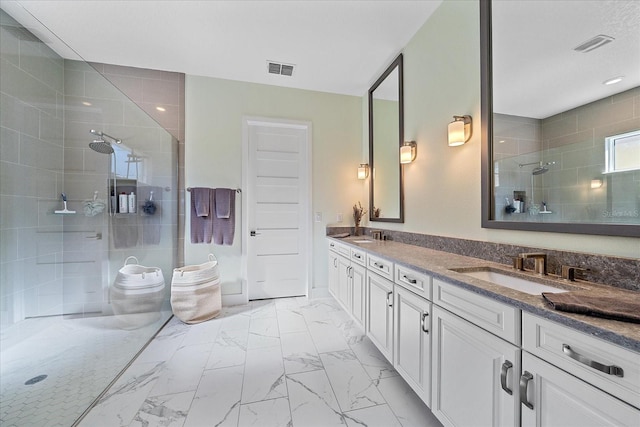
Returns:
(92, 102)
(44, 151)
(575, 141)
(31, 168)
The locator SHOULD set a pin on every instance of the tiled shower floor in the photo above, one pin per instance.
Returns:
(80, 358)
(287, 362)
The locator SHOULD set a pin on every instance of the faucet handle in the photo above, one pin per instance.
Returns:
(569, 272)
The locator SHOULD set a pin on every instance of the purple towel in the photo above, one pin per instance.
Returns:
(224, 228)
(201, 197)
(201, 226)
(223, 202)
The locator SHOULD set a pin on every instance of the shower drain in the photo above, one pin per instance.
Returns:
(35, 380)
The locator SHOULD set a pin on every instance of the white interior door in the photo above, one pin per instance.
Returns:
(278, 198)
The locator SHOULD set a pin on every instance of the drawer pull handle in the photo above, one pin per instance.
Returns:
(503, 376)
(378, 265)
(607, 369)
(423, 322)
(332, 245)
(357, 256)
(389, 303)
(409, 279)
(524, 384)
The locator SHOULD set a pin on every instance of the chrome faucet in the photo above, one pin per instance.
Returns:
(540, 260)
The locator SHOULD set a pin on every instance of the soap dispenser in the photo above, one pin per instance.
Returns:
(132, 202)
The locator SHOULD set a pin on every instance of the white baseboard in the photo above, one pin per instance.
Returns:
(319, 293)
(234, 299)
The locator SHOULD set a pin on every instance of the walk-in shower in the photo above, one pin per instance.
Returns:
(63, 340)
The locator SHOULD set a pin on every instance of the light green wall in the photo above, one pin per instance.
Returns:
(442, 187)
(213, 155)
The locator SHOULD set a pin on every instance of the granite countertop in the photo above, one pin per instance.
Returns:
(439, 264)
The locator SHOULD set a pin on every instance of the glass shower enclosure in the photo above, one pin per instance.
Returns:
(88, 184)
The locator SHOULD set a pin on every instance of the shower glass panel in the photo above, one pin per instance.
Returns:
(69, 323)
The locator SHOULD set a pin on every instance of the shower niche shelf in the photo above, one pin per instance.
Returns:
(126, 186)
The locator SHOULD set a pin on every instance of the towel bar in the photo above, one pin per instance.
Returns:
(238, 190)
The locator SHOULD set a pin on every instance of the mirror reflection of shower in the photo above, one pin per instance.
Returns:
(541, 169)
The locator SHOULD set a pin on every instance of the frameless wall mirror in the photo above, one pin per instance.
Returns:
(385, 137)
(560, 117)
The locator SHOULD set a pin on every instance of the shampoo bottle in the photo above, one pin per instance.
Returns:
(132, 202)
(123, 203)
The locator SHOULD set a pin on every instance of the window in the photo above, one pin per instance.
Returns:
(623, 152)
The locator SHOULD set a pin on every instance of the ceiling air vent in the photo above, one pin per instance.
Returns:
(278, 68)
(593, 43)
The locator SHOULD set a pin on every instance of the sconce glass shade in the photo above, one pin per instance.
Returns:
(596, 183)
(408, 152)
(363, 171)
(459, 130)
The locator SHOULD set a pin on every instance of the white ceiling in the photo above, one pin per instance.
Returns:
(337, 46)
(536, 72)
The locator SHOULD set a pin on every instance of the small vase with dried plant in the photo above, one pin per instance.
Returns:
(358, 213)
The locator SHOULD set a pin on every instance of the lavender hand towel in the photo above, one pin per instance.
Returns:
(201, 226)
(223, 202)
(201, 197)
(224, 228)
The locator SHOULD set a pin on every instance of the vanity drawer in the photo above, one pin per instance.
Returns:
(498, 318)
(358, 256)
(584, 356)
(339, 248)
(380, 266)
(418, 283)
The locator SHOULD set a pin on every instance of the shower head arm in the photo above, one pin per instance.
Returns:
(103, 135)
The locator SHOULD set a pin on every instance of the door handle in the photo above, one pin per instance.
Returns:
(607, 369)
(503, 376)
(423, 322)
(254, 233)
(524, 384)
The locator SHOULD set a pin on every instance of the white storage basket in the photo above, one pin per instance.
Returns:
(195, 292)
(137, 289)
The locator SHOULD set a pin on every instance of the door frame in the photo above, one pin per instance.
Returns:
(305, 219)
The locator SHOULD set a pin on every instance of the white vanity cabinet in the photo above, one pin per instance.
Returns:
(475, 372)
(379, 305)
(412, 349)
(347, 278)
(553, 398)
(573, 379)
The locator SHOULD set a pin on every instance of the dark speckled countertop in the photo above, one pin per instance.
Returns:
(439, 264)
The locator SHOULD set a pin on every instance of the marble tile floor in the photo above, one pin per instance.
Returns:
(286, 362)
(80, 356)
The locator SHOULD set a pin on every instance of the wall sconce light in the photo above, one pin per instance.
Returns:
(363, 171)
(459, 130)
(596, 183)
(408, 152)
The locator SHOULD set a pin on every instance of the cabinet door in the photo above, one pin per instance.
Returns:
(333, 274)
(555, 398)
(473, 374)
(344, 282)
(379, 314)
(412, 356)
(358, 280)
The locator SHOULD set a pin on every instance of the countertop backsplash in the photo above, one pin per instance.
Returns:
(614, 271)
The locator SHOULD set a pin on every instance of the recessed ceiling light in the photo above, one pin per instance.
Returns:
(613, 80)
(88, 104)
(161, 109)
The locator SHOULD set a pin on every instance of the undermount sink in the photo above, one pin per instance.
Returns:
(362, 241)
(495, 276)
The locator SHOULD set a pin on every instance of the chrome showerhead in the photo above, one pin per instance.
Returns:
(540, 169)
(101, 146)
